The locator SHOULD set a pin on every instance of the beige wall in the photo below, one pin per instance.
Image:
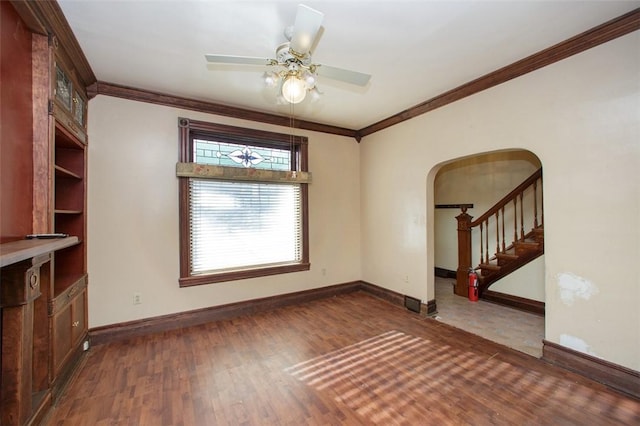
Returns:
(133, 215)
(580, 117)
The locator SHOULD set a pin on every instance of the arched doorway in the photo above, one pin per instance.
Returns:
(480, 181)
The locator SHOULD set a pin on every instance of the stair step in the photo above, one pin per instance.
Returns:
(538, 235)
(507, 255)
(523, 247)
(526, 244)
(506, 258)
(489, 267)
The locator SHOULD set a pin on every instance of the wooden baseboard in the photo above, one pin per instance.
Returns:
(613, 375)
(162, 323)
(444, 273)
(125, 330)
(431, 308)
(66, 374)
(41, 409)
(396, 298)
(383, 293)
(516, 302)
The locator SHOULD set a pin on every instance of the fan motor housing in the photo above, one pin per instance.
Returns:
(285, 55)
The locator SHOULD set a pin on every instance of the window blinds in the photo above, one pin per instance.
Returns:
(243, 224)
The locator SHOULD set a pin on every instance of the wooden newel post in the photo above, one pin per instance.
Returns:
(464, 252)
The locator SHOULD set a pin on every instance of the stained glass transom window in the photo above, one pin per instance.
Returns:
(237, 155)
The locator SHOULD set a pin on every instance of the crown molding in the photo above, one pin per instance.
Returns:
(600, 34)
(141, 95)
(47, 18)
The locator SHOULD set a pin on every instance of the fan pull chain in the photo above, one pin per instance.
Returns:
(293, 165)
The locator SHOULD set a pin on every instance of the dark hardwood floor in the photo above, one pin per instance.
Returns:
(350, 359)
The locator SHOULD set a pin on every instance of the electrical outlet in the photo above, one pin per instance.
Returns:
(137, 298)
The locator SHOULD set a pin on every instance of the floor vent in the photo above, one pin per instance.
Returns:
(412, 304)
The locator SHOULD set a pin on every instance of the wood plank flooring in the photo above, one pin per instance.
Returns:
(351, 359)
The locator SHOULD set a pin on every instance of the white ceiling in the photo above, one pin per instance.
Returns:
(414, 50)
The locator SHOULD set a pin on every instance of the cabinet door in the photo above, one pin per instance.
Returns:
(78, 317)
(79, 109)
(69, 327)
(61, 337)
(63, 88)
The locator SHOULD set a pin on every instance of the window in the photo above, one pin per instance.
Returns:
(243, 203)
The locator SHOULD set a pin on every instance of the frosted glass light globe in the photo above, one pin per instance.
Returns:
(294, 90)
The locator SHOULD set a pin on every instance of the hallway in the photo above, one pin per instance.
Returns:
(516, 329)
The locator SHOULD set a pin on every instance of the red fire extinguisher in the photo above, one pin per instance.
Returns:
(473, 285)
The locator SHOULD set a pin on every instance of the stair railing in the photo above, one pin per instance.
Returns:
(513, 206)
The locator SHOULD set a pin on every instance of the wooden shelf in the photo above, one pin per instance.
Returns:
(61, 211)
(61, 172)
(18, 251)
(65, 139)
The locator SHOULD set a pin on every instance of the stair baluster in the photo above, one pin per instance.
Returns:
(535, 204)
(521, 216)
(515, 218)
(497, 231)
(481, 243)
(504, 236)
(486, 241)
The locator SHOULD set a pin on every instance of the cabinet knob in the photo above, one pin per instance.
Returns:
(76, 323)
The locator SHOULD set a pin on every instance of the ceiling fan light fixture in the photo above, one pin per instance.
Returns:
(294, 89)
(309, 79)
(315, 94)
(271, 78)
(297, 73)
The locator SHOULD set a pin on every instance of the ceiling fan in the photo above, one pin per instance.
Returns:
(296, 73)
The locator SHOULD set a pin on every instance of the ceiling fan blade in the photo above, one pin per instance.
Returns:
(352, 77)
(243, 60)
(305, 29)
(316, 40)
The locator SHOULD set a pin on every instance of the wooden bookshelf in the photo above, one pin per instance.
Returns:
(43, 189)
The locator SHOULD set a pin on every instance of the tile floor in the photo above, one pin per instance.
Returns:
(519, 330)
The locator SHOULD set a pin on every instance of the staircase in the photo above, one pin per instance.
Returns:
(509, 250)
(518, 254)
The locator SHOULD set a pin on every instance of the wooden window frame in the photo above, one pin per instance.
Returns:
(190, 129)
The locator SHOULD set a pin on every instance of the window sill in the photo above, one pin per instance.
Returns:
(241, 275)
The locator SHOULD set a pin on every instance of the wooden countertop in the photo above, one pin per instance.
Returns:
(20, 250)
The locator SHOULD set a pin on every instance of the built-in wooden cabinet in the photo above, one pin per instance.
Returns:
(68, 301)
(43, 282)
